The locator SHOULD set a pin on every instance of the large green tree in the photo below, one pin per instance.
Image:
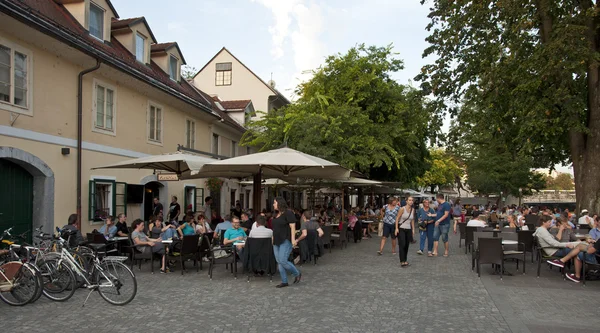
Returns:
(538, 59)
(444, 169)
(352, 112)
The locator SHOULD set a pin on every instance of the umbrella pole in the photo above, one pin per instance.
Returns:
(256, 200)
(343, 204)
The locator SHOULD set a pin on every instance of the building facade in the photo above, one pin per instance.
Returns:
(75, 77)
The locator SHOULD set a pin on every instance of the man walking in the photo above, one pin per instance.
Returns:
(442, 224)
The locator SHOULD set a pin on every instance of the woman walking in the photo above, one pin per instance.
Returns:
(405, 226)
(426, 217)
(284, 238)
(389, 214)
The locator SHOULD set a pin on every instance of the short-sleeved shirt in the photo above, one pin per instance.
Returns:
(223, 226)
(174, 209)
(157, 208)
(234, 233)
(441, 210)
(281, 227)
(310, 225)
(422, 215)
(140, 236)
(122, 227)
(389, 216)
(112, 230)
(260, 232)
(456, 210)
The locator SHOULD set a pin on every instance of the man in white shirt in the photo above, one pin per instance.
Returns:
(585, 219)
(207, 211)
(260, 231)
(475, 221)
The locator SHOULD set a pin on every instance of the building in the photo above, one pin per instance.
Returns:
(226, 78)
(81, 87)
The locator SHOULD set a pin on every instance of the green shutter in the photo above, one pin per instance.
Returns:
(91, 195)
(120, 204)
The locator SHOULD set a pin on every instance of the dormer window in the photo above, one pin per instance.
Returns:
(96, 24)
(140, 48)
(173, 67)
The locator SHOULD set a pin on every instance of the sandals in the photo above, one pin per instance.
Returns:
(430, 254)
(404, 264)
(445, 254)
(379, 253)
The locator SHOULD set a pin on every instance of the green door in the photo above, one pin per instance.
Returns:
(16, 198)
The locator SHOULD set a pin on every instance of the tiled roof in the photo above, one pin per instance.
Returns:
(56, 21)
(118, 24)
(226, 118)
(235, 105)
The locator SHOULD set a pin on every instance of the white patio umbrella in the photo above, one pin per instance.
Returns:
(178, 163)
(277, 163)
(270, 182)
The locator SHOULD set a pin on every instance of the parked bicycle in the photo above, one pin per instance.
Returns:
(19, 282)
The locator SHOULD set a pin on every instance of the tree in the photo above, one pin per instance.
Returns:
(188, 72)
(352, 112)
(444, 170)
(537, 58)
(563, 181)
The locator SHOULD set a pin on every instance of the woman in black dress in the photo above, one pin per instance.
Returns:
(284, 239)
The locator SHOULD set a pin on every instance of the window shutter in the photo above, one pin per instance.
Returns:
(91, 203)
(120, 202)
(199, 196)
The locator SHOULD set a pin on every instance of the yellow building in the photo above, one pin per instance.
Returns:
(74, 77)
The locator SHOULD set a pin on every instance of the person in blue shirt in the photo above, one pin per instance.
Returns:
(442, 224)
(426, 216)
(235, 235)
(223, 226)
(595, 233)
(109, 229)
(187, 228)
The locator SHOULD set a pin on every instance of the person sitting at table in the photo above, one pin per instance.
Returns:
(592, 256)
(121, 225)
(595, 232)
(223, 226)
(246, 223)
(109, 229)
(562, 231)
(187, 228)
(475, 221)
(552, 247)
(512, 221)
(235, 235)
(139, 238)
(260, 231)
(156, 229)
(202, 227)
(309, 223)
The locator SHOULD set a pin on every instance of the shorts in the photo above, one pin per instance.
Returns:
(441, 230)
(589, 257)
(561, 252)
(389, 230)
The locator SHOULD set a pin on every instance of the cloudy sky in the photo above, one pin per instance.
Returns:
(285, 38)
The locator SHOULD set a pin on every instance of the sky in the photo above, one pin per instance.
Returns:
(284, 40)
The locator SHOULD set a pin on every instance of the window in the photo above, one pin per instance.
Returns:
(173, 72)
(14, 78)
(140, 48)
(96, 21)
(233, 149)
(155, 123)
(215, 144)
(193, 196)
(104, 108)
(223, 75)
(106, 197)
(190, 134)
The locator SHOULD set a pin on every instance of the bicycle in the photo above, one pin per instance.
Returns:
(110, 277)
(19, 282)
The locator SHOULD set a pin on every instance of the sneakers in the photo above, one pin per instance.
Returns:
(282, 285)
(573, 278)
(419, 252)
(557, 263)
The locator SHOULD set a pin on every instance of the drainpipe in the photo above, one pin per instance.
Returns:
(80, 135)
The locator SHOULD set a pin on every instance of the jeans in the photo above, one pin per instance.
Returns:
(428, 233)
(389, 230)
(282, 255)
(403, 243)
(588, 257)
(441, 230)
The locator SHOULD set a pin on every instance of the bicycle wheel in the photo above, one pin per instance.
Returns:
(116, 282)
(59, 282)
(18, 284)
(40, 282)
(86, 261)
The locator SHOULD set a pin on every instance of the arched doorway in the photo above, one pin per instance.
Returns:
(16, 196)
(151, 191)
(26, 191)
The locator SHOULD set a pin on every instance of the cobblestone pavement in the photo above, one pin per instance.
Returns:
(350, 290)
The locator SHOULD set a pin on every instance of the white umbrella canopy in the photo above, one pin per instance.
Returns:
(270, 181)
(177, 162)
(276, 163)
